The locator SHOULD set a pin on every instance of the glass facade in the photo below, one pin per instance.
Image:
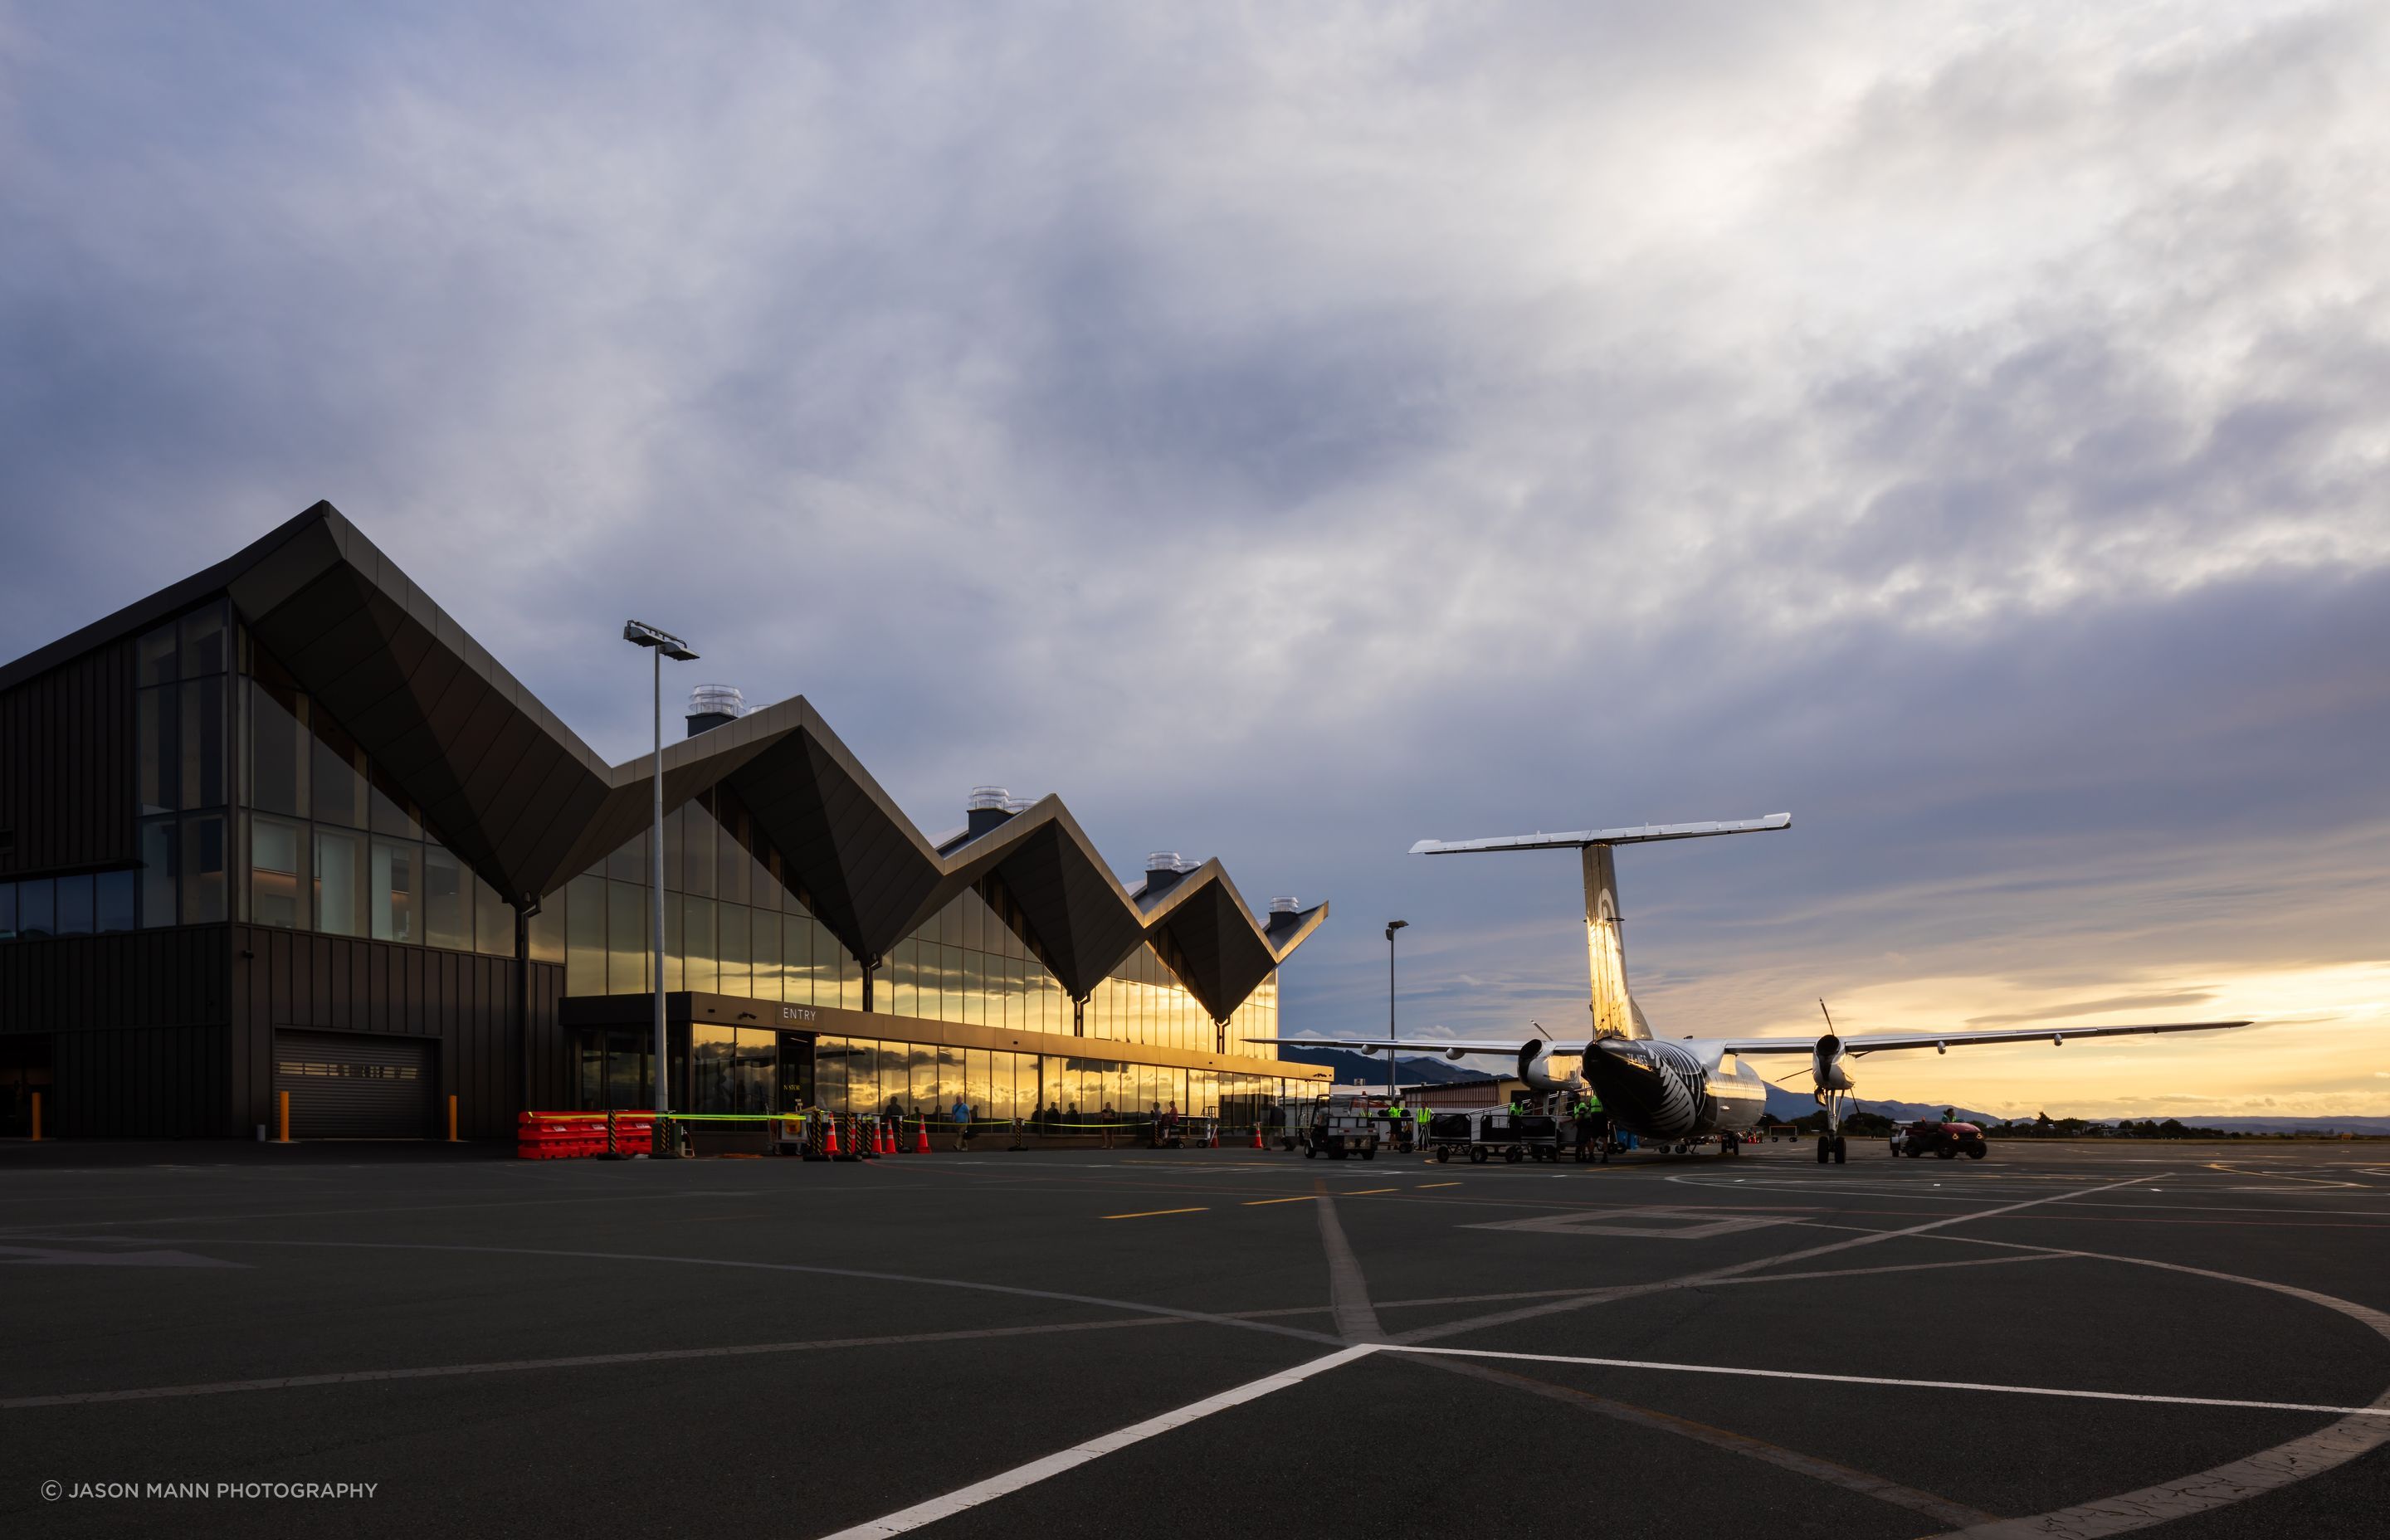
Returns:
(733, 927)
(328, 843)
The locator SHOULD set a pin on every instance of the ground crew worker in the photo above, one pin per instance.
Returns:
(962, 1123)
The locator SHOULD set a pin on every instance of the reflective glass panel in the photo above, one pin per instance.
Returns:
(154, 657)
(626, 939)
(338, 771)
(730, 862)
(75, 905)
(203, 869)
(395, 893)
(202, 731)
(493, 922)
(699, 944)
(733, 944)
(157, 749)
(447, 901)
(157, 855)
(711, 1050)
(339, 884)
(583, 901)
(277, 750)
(547, 930)
(277, 873)
(764, 939)
(38, 908)
(391, 812)
(206, 643)
(755, 1070)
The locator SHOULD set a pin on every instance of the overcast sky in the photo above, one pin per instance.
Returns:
(1287, 432)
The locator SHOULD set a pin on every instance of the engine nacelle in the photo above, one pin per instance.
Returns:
(1535, 1068)
(1826, 1065)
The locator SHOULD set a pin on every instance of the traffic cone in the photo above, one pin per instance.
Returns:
(921, 1137)
(1257, 1137)
(830, 1137)
(882, 1141)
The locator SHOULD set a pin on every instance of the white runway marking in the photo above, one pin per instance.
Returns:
(1880, 1380)
(1095, 1448)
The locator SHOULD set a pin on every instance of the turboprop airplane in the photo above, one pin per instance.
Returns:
(1688, 1090)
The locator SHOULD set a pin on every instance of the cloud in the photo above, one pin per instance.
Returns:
(1287, 437)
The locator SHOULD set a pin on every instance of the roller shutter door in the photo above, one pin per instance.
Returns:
(355, 1087)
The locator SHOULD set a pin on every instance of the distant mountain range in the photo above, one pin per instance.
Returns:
(1789, 1104)
(1356, 1069)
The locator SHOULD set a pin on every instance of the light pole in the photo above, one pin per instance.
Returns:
(665, 645)
(1391, 926)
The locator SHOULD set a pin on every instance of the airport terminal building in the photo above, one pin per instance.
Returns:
(284, 827)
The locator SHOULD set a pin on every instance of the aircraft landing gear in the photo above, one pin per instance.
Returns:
(1832, 1143)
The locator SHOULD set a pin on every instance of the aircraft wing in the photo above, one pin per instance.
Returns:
(1886, 1042)
(1639, 834)
(1449, 1047)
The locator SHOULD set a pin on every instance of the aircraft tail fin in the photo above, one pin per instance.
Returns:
(1614, 1011)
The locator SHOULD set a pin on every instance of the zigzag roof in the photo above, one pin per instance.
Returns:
(520, 798)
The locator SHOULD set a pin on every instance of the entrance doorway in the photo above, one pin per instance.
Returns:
(796, 1088)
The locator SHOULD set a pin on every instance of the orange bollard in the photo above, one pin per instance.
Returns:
(37, 1117)
(282, 1113)
(452, 1120)
(921, 1137)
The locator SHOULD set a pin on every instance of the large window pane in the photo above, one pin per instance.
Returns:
(155, 656)
(712, 1050)
(278, 749)
(850, 975)
(756, 1070)
(584, 902)
(203, 871)
(830, 1073)
(158, 854)
(697, 834)
(389, 810)
(626, 1069)
(697, 944)
(493, 922)
(157, 749)
(206, 642)
(396, 891)
(447, 901)
(339, 884)
(797, 959)
(764, 939)
(38, 908)
(203, 725)
(547, 930)
(277, 873)
(730, 862)
(732, 945)
(112, 901)
(629, 861)
(75, 905)
(626, 939)
(339, 773)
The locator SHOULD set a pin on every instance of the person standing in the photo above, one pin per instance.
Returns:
(1105, 1117)
(962, 1123)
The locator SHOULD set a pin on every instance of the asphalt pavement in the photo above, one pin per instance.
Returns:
(2062, 1340)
